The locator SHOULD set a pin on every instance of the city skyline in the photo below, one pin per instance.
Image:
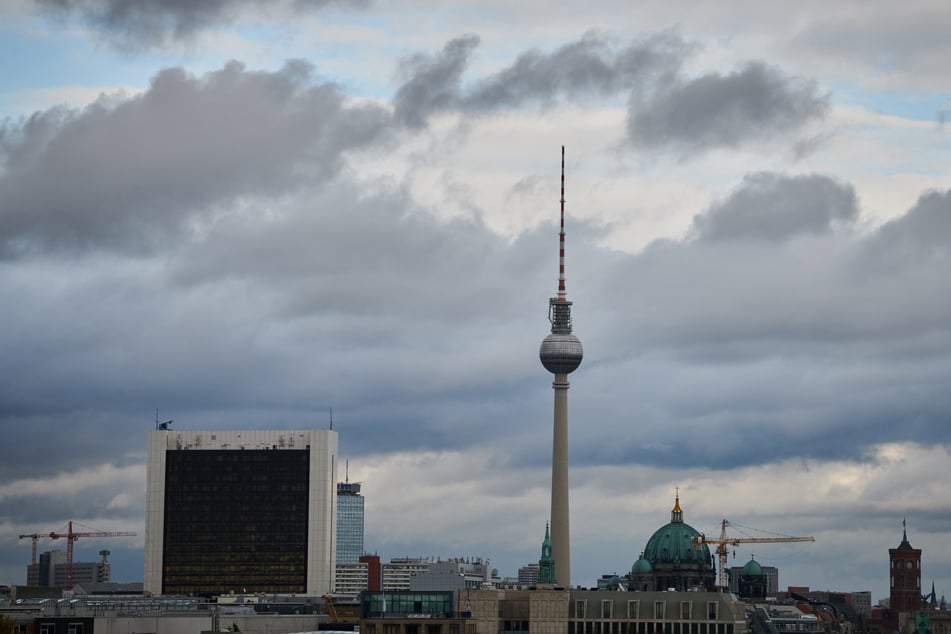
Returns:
(245, 215)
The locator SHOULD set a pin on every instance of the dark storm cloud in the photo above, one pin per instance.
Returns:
(156, 22)
(127, 173)
(775, 207)
(667, 110)
(778, 335)
(432, 82)
(589, 68)
(717, 110)
(922, 232)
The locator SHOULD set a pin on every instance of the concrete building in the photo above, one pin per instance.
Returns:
(551, 611)
(528, 575)
(240, 511)
(454, 574)
(352, 577)
(399, 570)
(349, 522)
(560, 354)
(50, 570)
(46, 568)
(168, 615)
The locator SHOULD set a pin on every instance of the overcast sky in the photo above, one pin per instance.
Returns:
(244, 214)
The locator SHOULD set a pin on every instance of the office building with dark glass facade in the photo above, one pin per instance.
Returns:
(240, 511)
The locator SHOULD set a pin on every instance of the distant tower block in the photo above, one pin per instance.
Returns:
(561, 354)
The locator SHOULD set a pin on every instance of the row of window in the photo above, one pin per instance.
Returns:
(642, 627)
(659, 612)
(906, 564)
(71, 628)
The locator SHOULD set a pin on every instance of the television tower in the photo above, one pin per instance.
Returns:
(561, 354)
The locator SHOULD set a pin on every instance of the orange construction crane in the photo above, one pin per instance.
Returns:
(72, 537)
(725, 541)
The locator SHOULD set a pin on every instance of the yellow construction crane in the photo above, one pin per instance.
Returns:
(724, 542)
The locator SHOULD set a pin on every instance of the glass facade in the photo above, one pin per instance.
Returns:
(349, 522)
(392, 604)
(235, 521)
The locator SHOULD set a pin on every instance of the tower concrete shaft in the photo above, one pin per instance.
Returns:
(560, 532)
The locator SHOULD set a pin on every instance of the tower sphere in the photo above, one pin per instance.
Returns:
(560, 353)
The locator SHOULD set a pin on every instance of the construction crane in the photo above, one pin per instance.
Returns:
(35, 537)
(724, 542)
(71, 537)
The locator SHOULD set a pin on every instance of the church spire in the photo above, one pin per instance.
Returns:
(546, 565)
(677, 515)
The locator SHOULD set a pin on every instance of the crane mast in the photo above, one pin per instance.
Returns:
(725, 541)
(35, 537)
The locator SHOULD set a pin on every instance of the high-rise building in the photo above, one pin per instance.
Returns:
(241, 511)
(48, 563)
(561, 354)
(349, 522)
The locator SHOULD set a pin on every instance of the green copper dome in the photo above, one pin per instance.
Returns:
(673, 542)
(752, 571)
(641, 567)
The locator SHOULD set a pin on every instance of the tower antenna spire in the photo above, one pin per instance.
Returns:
(562, 294)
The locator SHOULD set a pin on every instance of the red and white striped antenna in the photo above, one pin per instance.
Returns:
(562, 294)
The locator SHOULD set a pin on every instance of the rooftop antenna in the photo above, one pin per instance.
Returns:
(159, 425)
(348, 471)
(562, 294)
(331, 418)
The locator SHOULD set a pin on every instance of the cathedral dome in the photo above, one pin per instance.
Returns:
(673, 543)
(752, 571)
(641, 567)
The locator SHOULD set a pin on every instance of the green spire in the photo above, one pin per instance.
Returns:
(546, 565)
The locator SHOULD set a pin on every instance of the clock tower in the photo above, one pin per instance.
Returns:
(905, 574)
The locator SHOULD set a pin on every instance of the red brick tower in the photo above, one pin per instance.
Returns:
(905, 574)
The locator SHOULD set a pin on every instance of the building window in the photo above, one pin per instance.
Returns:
(47, 628)
(632, 609)
(607, 609)
(685, 610)
(580, 608)
(712, 610)
(74, 628)
(658, 609)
